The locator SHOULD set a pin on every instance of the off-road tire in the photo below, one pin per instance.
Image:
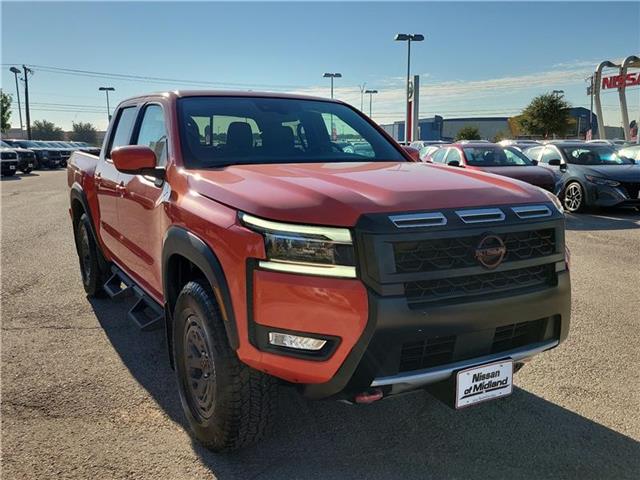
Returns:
(92, 277)
(228, 404)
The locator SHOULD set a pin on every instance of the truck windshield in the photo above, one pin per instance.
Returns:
(218, 131)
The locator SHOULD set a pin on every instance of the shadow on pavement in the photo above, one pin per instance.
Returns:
(410, 436)
(5, 178)
(604, 219)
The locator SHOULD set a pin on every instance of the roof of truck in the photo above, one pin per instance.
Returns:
(231, 93)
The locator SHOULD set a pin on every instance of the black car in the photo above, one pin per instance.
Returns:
(46, 157)
(65, 151)
(590, 174)
(26, 158)
(8, 161)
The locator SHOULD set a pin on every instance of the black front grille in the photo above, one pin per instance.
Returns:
(26, 155)
(8, 155)
(632, 189)
(436, 351)
(469, 287)
(449, 253)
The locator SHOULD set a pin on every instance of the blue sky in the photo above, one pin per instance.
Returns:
(479, 58)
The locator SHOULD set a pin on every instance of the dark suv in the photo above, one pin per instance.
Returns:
(46, 157)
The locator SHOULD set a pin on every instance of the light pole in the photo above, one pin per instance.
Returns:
(408, 37)
(15, 72)
(107, 90)
(371, 93)
(332, 76)
(26, 71)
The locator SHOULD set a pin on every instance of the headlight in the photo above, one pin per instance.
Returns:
(555, 200)
(602, 181)
(305, 249)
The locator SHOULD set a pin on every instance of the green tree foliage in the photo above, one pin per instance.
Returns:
(468, 133)
(84, 132)
(546, 115)
(45, 130)
(5, 111)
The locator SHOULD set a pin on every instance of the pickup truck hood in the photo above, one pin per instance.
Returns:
(338, 193)
(538, 176)
(621, 173)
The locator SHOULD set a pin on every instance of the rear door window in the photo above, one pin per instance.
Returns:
(123, 128)
(153, 133)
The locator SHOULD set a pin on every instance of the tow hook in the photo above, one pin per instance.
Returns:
(369, 396)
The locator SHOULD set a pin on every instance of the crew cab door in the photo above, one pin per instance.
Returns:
(108, 183)
(140, 207)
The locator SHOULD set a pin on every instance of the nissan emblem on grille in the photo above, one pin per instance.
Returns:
(490, 251)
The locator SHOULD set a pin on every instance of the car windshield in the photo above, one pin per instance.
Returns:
(491, 156)
(5, 145)
(593, 155)
(219, 131)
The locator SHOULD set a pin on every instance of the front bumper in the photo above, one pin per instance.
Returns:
(375, 359)
(605, 196)
(9, 166)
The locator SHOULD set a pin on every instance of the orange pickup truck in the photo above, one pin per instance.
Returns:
(273, 252)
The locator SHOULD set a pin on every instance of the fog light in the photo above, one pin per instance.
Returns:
(294, 341)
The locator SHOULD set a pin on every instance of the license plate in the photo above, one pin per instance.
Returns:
(30, 165)
(484, 382)
(12, 167)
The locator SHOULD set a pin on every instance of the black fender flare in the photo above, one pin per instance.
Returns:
(76, 193)
(181, 242)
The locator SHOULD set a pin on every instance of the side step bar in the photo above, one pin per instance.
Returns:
(147, 314)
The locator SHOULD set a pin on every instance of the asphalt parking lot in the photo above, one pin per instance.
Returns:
(87, 395)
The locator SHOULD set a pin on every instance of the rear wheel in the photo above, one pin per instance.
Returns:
(92, 278)
(574, 197)
(228, 405)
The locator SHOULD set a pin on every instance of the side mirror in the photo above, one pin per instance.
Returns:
(555, 162)
(535, 162)
(414, 153)
(454, 163)
(136, 160)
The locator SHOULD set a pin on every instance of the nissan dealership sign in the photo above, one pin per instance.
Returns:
(617, 81)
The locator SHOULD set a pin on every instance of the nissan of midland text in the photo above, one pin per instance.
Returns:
(282, 239)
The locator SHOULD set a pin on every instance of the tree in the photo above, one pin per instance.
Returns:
(45, 130)
(5, 107)
(546, 115)
(84, 132)
(468, 133)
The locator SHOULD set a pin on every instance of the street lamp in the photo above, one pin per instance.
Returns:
(107, 90)
(332, 76)
(15, 72)
(408, 37)
(370, 92)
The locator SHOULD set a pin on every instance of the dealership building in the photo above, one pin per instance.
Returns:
(440, 128)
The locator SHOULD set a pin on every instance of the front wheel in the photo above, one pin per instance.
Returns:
(228, 405)
(574, 200)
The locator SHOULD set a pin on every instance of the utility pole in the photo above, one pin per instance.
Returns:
(362, 95)
(27, 71)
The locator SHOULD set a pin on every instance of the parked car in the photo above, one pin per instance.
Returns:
(46, 157)
(26, 157)
(632, 152)
(616, 143)
(8, 161)
(352, 276)
(420, 144)
(86, 147)
(520, 144)
(590, 174)
(493, 158)
(428, 150)
(65, 151)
